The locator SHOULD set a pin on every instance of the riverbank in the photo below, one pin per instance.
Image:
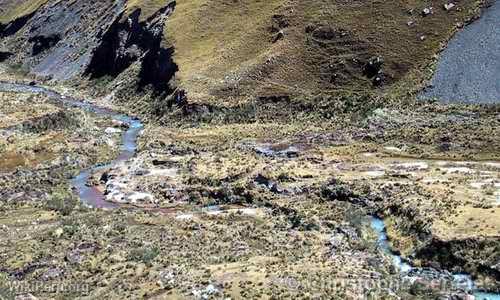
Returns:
(459, 281)
(294, 194)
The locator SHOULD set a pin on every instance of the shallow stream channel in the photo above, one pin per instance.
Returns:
(464, 281)
(90, 196)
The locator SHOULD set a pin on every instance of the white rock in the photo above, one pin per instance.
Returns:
(493, 165)
(162, 172)
(111, 130)
(427, 11)
(449, 6)
(395, 149)
(58, 232)
(419, 165)
(184, 217)
(119, 124)
(376, 173)
(463, 170)
(140, 197)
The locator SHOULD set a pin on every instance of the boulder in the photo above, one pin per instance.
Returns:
(427, 11)
(449, 6)
(373, 67)
(111, 130)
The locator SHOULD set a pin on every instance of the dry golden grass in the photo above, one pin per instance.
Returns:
(470, 221)
(18, 108)
(15, 9)
(216, 38)
(148, 7)
(225, 49)
(227, 52)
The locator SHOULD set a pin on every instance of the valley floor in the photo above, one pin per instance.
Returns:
(265, 209)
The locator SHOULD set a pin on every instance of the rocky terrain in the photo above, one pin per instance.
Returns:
(477, 51)
(241, 149)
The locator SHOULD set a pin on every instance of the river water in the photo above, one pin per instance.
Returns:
(90, 196)
(93, 197)
(378, 226)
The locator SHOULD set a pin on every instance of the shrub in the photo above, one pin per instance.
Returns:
(62, 201)
(146, 254)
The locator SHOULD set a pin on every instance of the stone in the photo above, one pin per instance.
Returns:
(119, 124)
(427, 11)
(139, 197)
(378, 80)
(51, 274)
(449, 6)
(27, 296)
(373, 67)
(280, 35)
(75, 257)
(272, 150)
(117, 258)
(111, 130)
(57, 233)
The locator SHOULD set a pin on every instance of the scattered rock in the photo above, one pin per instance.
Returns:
(52, 273)
(206, 293)
(141, 172)
(119, 124)
(117, 258)
(272, 186)
(139, 197)
(280, 35)
(427, 11)
(111, 130)
(378, 80)
(277, 150)
(411, 166)
(27, 296)
(373, 67)
(449, 6)
(342, 238)
(58, 233)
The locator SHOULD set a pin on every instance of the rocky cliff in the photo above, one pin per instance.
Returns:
(229, 52)
(68, 40)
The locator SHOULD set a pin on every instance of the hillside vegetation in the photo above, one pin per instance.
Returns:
(232, 51)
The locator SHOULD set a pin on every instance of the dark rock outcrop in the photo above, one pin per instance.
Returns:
(472, 255)
(42, 42)
(130, 40)
(65, 41)
(4, 56)
(13, 27)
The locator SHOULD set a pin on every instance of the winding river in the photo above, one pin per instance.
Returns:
(403, 266)
(90, 196)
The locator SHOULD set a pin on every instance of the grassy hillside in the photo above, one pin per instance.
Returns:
(13, 9)
(231, 51)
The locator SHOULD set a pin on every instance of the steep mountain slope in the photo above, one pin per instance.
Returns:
(232, 51)
(243, 149)
(235, 48)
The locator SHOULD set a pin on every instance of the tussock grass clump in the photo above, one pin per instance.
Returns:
(62, 201)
